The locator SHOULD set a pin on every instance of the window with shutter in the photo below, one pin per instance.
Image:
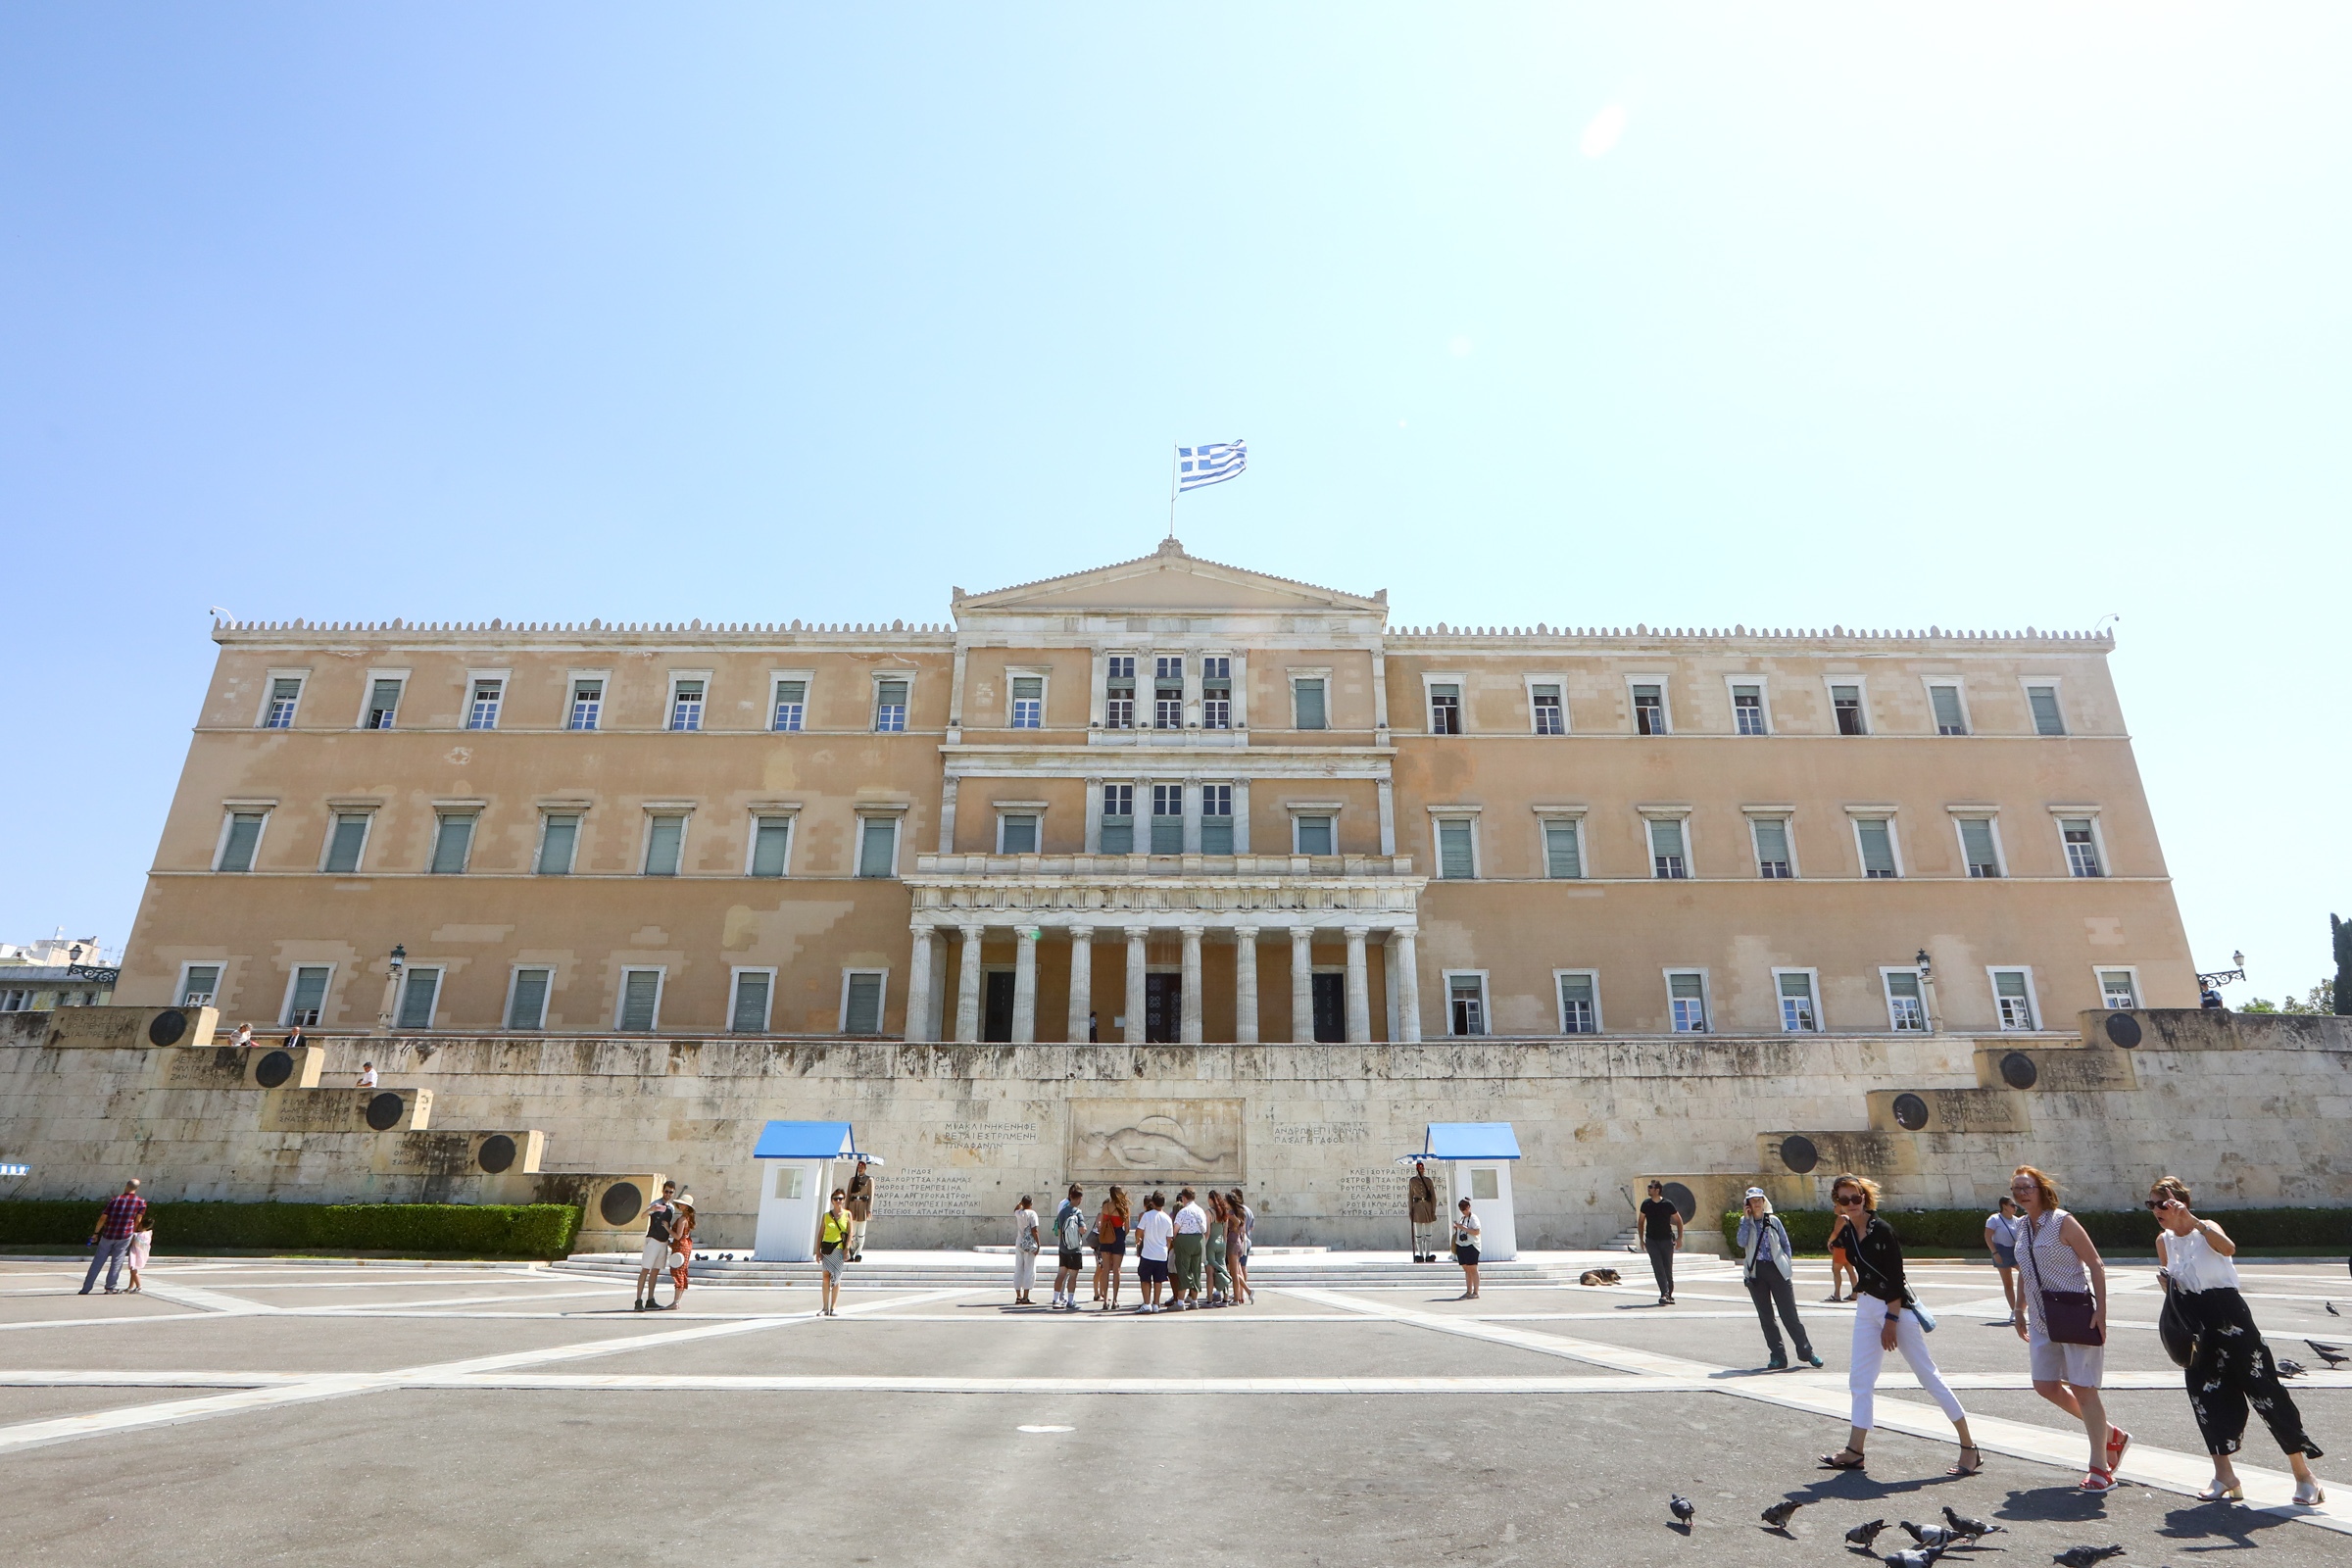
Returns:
(640, 1001)
(200, 985)
(1552, 714)
(1649, 710)
(1798, 1013)
(558, 841)
(1951, 720)
(1906, 1009)
(526, 1008)
(2014, 998)
(587, 705)
(1445, 710)
(772, 838)
(453, 843)
(1455, 860)
(2048, 720)
(890, 706)
(1772, 847)
(1017, 832)
(665, 845)
(307, 999)
(1747, 710)
(1877, 839)
(1666, 856)
(1976, 846)
(1118, 820)
(686, 706)
(1466, 1004)
(1846, 703)
(285, 692)
(1687, 999)
(878, 845)
(1216, 820)
(418, 990)
(1314, 835)
(1579, 1005)
(1563, 856)
(346, 841)
(2117, 988)
(1167, 819)
(861, 1009)
(749, 1016)
(1309, 696)
(482, 711)
(1118, 692)
(1216, 692)
(1028, 702)
(2082, 847)
(383, 704)
(792, 705)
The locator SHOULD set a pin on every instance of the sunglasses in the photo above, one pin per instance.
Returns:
(2160, 1203)
(1849, 1200)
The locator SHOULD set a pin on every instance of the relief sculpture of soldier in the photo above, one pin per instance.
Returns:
(1421, 1201)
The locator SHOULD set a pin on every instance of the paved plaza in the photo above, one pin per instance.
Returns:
(387, 1414)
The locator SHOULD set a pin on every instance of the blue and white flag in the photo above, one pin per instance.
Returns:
(1212, 463)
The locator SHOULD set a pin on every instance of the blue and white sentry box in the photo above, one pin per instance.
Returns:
(796, 1185)
(1480, 1154)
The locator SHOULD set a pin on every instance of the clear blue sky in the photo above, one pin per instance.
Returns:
(1985, 315)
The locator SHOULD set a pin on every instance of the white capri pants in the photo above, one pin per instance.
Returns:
(1024, 1271)
(1862, 1375)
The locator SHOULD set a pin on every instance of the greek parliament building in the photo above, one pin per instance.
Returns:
(1164, 800)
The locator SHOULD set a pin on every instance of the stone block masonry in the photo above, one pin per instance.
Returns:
(2249, 1110)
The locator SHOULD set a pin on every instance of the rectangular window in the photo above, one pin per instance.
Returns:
(1455, 858)
(1314, 835)
(1446, 710)
(1976, 847)
(1687, 1000)
(1167, 692)
(1875, 835)
(665, 845)
(2047, 719)
(890, 706)
(587, 705)
(862, 1003)
(526, 1001)
(2013, 996)
(383, 704)
(452, 842)
(1216, 820)
(771, 840)
(1747, 710)
(285, 694)
(1772, 847)
(1016, 833)
(1563, 853)
(419, 989)
(1466, 1004)
(1800, 1014)
(1118, 692)
(1167, 819)
(306, 998)
(1580, 1004)
(1950, 717)
(1649, 708)
(1118, 820)
(200, 985)
(559, 842)
(791, 706)
(1666, 851)
(241, 840)
(640, 1001)
(345, 843)
(2118, 989)
(686, 704)
(482, 711)
(1906, 1008)
(749, 1014)
(1028, 702)
(1552, 714)
(2082, 847)
(1216, 692)
(1845, 702)
(877, 846)
(1308, 695)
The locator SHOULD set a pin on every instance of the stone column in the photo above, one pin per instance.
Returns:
(1303, 985)
(918, 987)
(1245, 985)
(1082, 981)
(1359, 999)
(1409, 991)
(967, 986)
(1189, 1018)
(1024, 985)
(1135, 983)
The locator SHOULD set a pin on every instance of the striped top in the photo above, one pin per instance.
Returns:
(2053, 1265)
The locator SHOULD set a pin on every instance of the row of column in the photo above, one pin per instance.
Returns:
(1402, 962)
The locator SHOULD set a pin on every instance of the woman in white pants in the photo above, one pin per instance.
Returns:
(1884, 1320)
(1024, 1251)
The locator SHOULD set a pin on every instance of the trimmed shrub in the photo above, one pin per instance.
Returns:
(413, 1230)
(2130, 1230)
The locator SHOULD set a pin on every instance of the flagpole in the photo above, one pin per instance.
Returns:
(1172, 489)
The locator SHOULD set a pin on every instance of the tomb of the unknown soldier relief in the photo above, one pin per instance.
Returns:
(1165, 871)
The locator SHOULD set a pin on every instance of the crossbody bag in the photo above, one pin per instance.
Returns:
(2067, 1317)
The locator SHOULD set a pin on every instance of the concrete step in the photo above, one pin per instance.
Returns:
(991, 1269)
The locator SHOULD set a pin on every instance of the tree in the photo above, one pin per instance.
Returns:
(2342, 1001)
(2319, 999)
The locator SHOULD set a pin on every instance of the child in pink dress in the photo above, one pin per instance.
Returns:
(142, 1242)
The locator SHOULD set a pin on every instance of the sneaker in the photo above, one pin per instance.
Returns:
(1779, 1363)
(2118, 1440)
(1810, 1360)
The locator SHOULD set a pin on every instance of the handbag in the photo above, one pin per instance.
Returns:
(2171, 1327)
(2067, 1317)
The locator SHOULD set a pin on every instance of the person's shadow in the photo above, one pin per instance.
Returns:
(2230, 1527)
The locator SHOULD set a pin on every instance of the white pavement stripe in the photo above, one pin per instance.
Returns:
(819, 1383)
(110, 1322)
(204, 1301)
(1616, 1358)
(362, 1307)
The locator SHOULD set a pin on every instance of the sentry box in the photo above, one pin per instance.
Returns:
(1480, 1154)
(796, 1184)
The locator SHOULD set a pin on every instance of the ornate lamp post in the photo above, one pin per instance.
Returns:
(1927, 991)
(2210, 983)
(398, 960)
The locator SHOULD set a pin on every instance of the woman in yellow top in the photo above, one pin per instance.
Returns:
(832, 1246)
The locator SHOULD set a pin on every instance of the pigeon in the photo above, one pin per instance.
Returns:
(1682, 1508)
(2292, 1369)
(2331, 1354)
(1863, 1535)
(1963, 1525)
(2084, 1556)
(1780, 1513)
(1930, 1535)
(2332, 1311)
(1917, 1557)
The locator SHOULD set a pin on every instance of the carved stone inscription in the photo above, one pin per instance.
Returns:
(1377, 1192)
(986, 1134)
(915, 1191)
(1162, 1140)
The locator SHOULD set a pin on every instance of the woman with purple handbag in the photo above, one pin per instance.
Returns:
(2063, 1318)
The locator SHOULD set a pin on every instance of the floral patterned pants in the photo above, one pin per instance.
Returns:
(2233, 1369)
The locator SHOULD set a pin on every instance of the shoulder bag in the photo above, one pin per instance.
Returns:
(2067, 1317)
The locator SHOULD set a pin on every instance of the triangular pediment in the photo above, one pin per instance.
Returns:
(1165, 580)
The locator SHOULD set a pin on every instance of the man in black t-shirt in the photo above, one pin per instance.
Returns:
(1661, 1227)
(655, 1259)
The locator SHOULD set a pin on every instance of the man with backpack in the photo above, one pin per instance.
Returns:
(1069, 1235)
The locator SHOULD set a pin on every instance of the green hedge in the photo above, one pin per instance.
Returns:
(466, 1230)
(2130, 1230)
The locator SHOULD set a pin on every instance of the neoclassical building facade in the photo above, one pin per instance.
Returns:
(1165, 799)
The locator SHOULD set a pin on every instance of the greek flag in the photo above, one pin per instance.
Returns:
(1209, 464)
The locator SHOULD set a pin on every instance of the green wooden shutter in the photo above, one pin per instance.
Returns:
(751, 1003)
(416, 998)
(343, 849)
(1772, 841)
(529, 1008)
(556, 843)
(2048, 720)
(1454, 848)
(771, 837)
(663, 844)
(309, 994)
(1949, 717)
(864, 1010)
(244, 837)
(1561, 857)
(452, 843)
(1975, 839)
(1310, 704)
(1877, 847)
(877, 836)
(639, 997)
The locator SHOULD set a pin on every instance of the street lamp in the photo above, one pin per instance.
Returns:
(2209, 983)
(1926, 990)
(398, 960)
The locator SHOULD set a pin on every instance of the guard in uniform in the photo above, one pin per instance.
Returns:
(1421, 1201)
(862, 1209)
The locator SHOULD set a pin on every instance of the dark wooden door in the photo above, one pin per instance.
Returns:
(1163, 999)
(1331, 1005)
(996, 1018)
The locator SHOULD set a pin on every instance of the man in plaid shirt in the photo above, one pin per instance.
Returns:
(111, 1239)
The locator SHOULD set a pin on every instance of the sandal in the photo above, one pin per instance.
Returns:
(1965, 1467)
(2095, 1481)
(1840, 1461)
(2217, 1492)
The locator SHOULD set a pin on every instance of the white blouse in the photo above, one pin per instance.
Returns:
(2195, 1265)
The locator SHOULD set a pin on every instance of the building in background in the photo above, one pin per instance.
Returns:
(36, 976)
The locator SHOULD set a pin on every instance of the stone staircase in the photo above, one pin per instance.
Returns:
(991, 1268)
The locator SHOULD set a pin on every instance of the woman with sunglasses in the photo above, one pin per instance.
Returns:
(2056, 1255)
(2232, 1367)
(1884, 1320)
